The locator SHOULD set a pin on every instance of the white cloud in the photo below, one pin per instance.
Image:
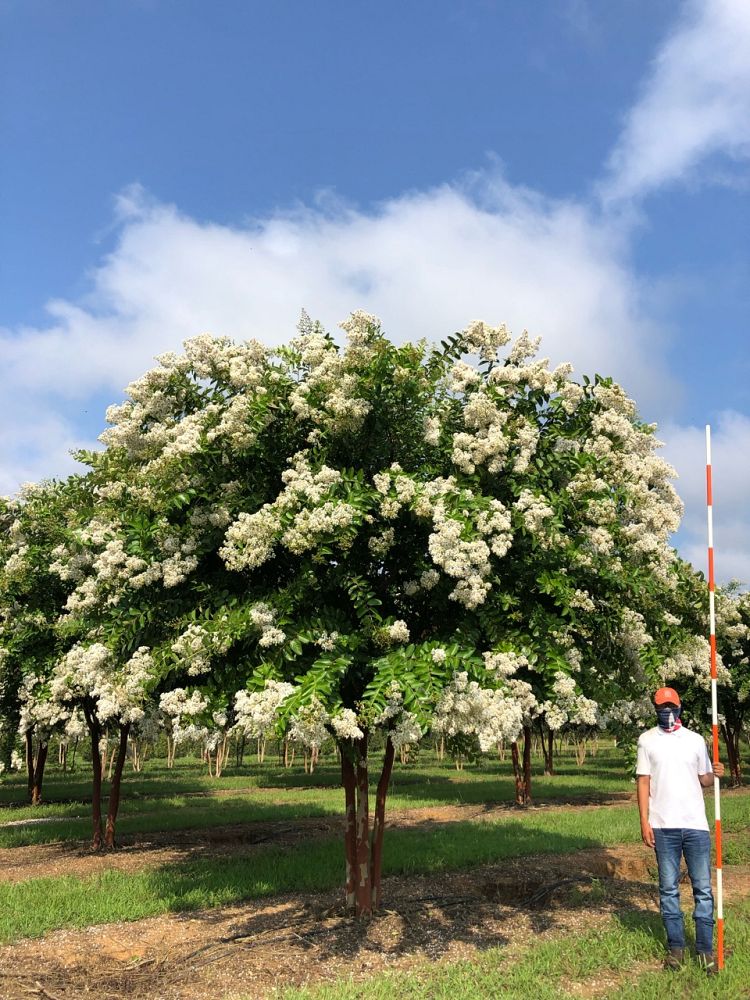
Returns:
(685, 448)
(694, 103)
(427, 263)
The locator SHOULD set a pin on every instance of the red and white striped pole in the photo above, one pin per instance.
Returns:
(714, 706)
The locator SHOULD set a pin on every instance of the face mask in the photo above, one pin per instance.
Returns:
(667, 717)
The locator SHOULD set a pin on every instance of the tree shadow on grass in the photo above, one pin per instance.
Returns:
(462, 883)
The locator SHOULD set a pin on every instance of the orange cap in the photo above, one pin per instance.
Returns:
(666, 694)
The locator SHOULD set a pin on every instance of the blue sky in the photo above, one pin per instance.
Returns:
(579, 168)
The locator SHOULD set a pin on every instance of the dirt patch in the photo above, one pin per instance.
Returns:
(245, 951)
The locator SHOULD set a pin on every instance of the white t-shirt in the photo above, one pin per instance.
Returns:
(674, 761)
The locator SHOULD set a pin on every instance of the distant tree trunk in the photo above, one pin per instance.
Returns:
(114, 792)
(240, 751)
(41, 760)
(95, 731)
(29, 740)
(732, 742)
(522, 769)
(548, 748)
(73, 758)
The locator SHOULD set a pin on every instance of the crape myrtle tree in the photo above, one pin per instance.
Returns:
(733, 639)
(369, 524)
(32, 596)
(689, 664)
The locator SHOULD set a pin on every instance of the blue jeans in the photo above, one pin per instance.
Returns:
(671, 844)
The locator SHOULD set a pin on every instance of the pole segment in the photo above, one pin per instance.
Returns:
(714, 704)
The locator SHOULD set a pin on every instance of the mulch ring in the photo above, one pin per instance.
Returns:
(245, 951)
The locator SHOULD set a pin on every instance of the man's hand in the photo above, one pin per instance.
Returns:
(707, 780)
(647, 835)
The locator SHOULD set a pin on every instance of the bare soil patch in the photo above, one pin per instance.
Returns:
(245, 951)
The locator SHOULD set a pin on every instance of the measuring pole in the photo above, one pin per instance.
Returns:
(714, 705)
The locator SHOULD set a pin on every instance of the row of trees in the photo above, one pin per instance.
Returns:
(375, 539)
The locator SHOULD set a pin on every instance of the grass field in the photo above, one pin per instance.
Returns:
(165, 802)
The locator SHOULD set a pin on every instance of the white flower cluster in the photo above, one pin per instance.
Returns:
(468, 560)
(250, 540)
(693, 662)
(632, 633)
(263, 618)
(635, 713)
(119, 692)
(569, 708)
(391, 635)
(402, 726)
(488, 444)
(309, 725)
(187, 717)
(327, 641)
(504, 664)
(483, 339)
(196, 647)
(113, 568)
(523, 694)
(428, 579)
(39, 712)
(535, 514)
(345, 725)
(465, 708)
(257, 712)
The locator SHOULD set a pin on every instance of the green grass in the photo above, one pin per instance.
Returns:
(38, 905)
(551, 969)
(158, 799)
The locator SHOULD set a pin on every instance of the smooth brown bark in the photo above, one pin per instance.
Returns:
(114, 791)
(376, 853)
(95, 733)
(349, 781)
(362, 884)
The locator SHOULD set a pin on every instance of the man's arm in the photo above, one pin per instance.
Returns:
(708, 779)
(643, 786)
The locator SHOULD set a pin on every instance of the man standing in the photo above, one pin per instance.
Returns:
(673, 767)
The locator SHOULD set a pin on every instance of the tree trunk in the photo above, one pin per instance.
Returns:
(349, 781)
(114, 792)
(732, 742)
(240, 750)
(96, 789)
(29, 740)
(363, 886)
(41, 760)
(548, 748)
(522, 769)
(527, 765)
(376, 854)
(73, 759)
